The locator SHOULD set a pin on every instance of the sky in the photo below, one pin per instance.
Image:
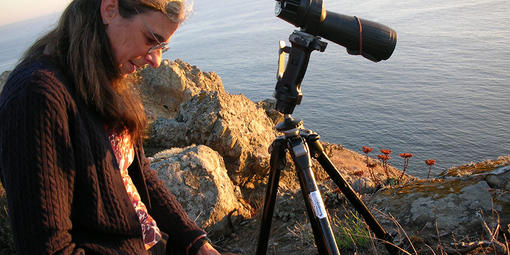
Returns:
(17, 10)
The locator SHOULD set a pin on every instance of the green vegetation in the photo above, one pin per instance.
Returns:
(351, 232)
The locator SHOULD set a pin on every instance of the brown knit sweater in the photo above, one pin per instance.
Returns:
(64, 190)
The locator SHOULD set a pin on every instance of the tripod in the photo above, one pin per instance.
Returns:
(302, 145)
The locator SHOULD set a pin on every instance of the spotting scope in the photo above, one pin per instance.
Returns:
(372, 40)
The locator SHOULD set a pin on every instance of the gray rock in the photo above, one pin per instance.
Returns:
(268, 106)
(495, 181)
(173, 83)
(459, 205)
(454, 210)
(362, 185)
(230, 124)
(166, 132)
(499, 178)
(196, 175)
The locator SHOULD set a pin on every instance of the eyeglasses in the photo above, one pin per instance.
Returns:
(163, 46)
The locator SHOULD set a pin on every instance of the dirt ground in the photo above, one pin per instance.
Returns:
(291, 232)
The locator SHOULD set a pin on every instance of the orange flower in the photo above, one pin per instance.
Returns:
(430, 162)
(383, 157)
(406, 155)
(386, 152)
(367, 149)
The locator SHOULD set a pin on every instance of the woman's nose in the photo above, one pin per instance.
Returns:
(154, 58)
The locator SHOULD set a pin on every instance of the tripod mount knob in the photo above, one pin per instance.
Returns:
(289, 124)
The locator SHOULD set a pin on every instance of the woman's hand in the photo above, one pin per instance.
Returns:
(207, 249)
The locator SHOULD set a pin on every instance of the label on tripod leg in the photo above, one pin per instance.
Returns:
(317, 204)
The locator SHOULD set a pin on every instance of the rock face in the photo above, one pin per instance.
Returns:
(499, 178)
(189, 106)
(173, 83)
(459, 205)
(196, 175)
(232, 125)
(273, 114)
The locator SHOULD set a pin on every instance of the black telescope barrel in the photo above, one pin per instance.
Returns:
(361, 37)
(370, 39)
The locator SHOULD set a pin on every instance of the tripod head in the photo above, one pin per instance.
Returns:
(372, 40)
(288, 86)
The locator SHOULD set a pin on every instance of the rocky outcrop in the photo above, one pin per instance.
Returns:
(174, 82)
(232, 125)
(196, 175)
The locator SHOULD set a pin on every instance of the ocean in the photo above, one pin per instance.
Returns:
(444, 93)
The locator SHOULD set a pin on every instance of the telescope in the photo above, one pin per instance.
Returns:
(372, 40)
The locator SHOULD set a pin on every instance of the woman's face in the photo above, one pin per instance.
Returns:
(132, 38)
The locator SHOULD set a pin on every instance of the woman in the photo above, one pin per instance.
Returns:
(71, 157)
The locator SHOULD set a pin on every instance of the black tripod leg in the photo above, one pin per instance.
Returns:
(277, 162)
(324, 237)
(351, 195)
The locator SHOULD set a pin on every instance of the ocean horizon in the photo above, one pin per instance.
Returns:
(443, 94)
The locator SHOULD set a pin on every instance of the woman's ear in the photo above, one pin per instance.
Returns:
(109, 9)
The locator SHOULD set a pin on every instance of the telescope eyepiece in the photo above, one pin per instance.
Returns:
(305, 14)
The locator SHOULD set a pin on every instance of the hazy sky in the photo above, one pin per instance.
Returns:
(17, 10)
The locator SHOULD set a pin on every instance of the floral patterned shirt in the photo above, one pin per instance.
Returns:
(124, 153)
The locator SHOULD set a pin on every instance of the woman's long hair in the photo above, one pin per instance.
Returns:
(80, 46)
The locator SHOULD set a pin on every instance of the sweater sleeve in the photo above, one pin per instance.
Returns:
(167, 211)
(36, 167)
